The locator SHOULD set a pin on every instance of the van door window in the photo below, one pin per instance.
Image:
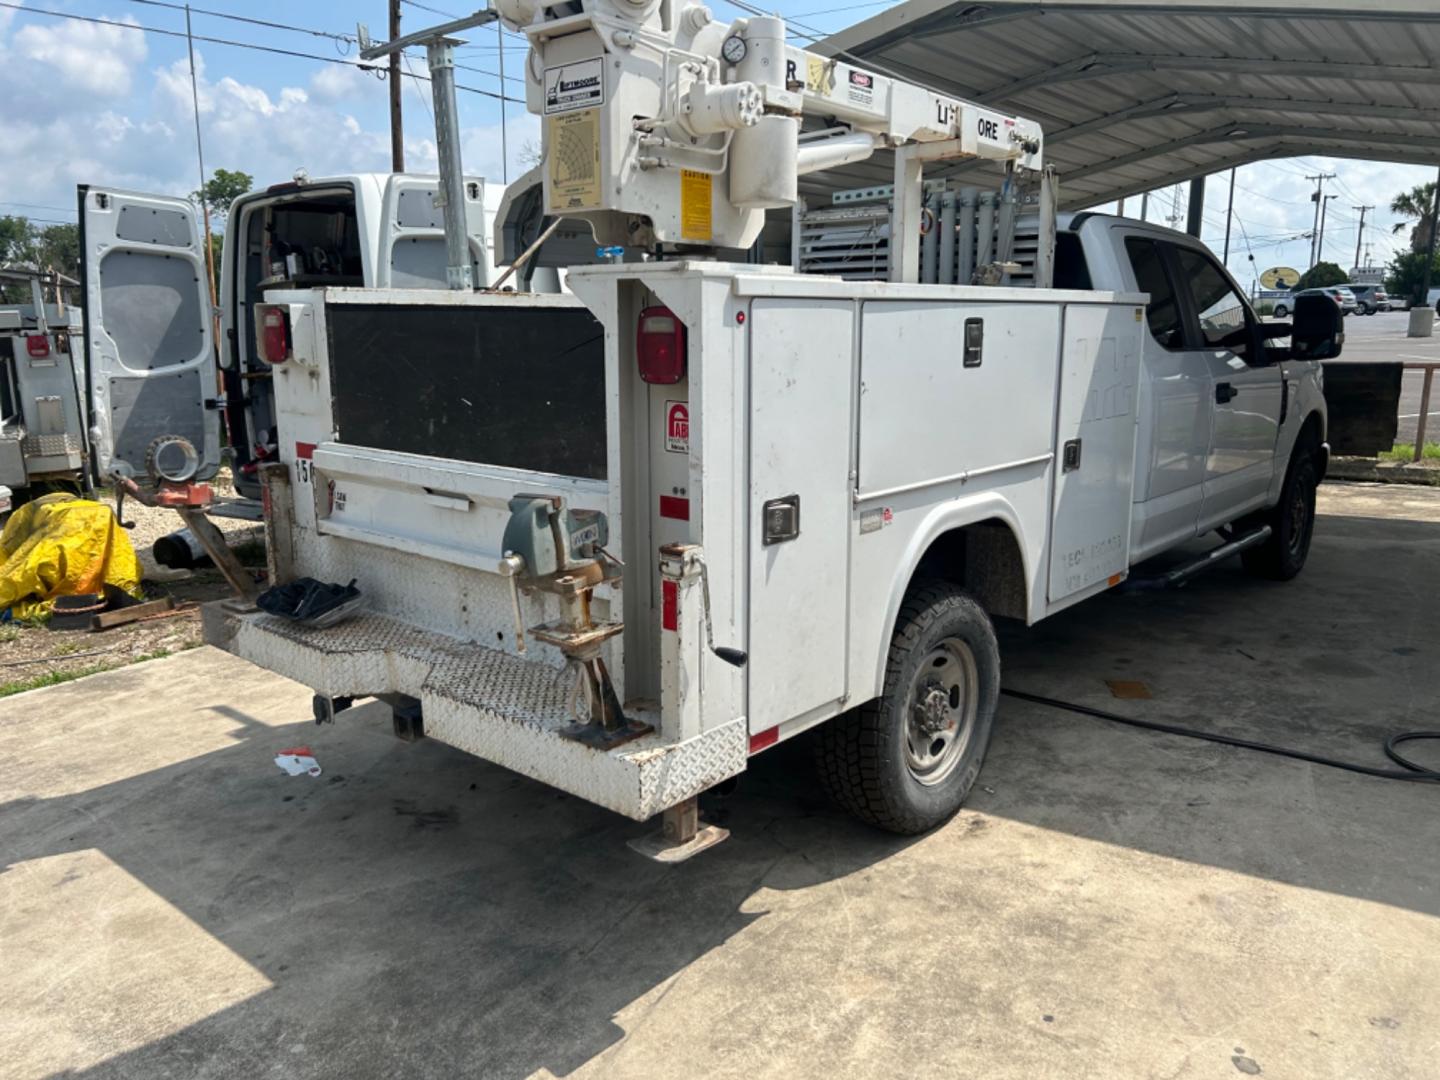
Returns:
(1163, 312)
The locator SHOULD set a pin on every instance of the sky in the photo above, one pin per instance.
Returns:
(92, 103)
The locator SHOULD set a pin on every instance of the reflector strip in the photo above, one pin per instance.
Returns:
(673, 507)
(669, 605)
(304, 450)
(761, 739)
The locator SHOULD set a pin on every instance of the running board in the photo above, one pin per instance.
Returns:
(1181, 574)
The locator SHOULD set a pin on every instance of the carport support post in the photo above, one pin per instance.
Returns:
(1194, 218)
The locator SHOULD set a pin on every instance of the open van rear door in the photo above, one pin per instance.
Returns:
(149, 331)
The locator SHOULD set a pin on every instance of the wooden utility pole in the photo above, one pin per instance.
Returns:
(397, 131)
(1229, 214)
(1360, 232)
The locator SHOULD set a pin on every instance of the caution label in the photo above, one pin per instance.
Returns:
(696, 193)
(574, 160)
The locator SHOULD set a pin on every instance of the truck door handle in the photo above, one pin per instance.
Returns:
(1224, 392)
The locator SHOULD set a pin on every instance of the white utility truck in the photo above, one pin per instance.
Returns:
(622, 541)
(42, 438)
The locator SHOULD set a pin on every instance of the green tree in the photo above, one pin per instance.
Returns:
(222, 189)
(58, 248)
(16, 239)
(1320, 275)
(1407, 274)
(1418, 206)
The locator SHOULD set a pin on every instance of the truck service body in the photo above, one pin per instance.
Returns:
(623, 540)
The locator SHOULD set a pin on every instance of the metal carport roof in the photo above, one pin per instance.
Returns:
(1135, 96)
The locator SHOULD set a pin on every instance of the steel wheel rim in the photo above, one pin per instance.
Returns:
(940, 711)
(1299, 514)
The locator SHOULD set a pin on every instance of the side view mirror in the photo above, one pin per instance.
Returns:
(1319, 329)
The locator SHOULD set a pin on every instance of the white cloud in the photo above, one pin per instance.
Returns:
(73, 56)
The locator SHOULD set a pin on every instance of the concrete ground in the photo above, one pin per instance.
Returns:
(1112, 903)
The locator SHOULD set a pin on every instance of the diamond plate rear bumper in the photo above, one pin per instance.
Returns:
(485, 702)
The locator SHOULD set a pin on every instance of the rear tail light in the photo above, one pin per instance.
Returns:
(274, 336)
(660, 346)
(38, 347)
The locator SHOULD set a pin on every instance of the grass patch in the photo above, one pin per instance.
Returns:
(1406, 452)
(9, 633)
(55, 678)
(67, 648)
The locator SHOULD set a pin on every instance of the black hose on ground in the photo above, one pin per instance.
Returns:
(1408, 770)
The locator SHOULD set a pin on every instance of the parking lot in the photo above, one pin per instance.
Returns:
(1110, 903)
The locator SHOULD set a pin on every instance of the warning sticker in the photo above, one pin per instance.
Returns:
(677, 427)
(575, 86)
(574, 140)
(695, 196)
(862, 87)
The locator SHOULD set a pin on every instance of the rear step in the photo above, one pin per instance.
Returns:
(493, 704)
(1181, 574)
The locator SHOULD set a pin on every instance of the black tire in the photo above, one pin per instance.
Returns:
(1292, 523)
(1281, 311)
(866, 758)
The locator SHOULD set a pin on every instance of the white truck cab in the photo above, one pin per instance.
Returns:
(1220, 409)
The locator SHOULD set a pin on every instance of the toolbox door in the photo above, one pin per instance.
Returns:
(1095, 448)
(801, 379)
(149, 329)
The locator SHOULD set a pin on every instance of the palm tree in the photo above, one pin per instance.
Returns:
(1418, 204)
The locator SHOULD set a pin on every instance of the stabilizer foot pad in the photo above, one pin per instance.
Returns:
(657, 847)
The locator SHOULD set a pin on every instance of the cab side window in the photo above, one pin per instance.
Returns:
(1163, 313)
(1220, 309)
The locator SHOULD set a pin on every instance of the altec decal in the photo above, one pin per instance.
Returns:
(677, 427)
(575, 86)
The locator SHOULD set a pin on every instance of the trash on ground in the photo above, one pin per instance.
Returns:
(297, 760)
(59, 545)
(1130, 689)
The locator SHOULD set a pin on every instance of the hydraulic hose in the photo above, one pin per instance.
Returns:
(1408, 770)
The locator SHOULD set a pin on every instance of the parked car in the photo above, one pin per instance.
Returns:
(1341, 294)
(1371, 298)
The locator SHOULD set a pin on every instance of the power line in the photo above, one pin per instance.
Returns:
(228, 43)
(348, 39)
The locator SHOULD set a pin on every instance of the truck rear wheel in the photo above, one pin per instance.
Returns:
(905, 761)
(1292, 523)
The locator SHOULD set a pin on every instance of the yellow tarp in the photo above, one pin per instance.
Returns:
(62, 546)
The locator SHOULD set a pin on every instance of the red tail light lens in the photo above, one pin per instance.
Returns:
(37, 347)
(274, 335)
(660, 346)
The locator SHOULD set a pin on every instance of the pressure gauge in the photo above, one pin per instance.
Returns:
(734, 49)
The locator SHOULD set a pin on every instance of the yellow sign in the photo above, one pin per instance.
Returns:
(573, 147)
(817, 75)
(1280, 277)
(696, 190)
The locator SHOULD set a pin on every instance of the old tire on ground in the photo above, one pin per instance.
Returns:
(905, 761)
(1292, 522)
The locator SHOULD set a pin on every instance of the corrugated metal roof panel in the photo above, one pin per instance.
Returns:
(1134, 95)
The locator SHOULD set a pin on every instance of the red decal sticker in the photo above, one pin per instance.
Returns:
(673, 507)
(677, 427)
(761, 739)
(304, 450)
(669, 605)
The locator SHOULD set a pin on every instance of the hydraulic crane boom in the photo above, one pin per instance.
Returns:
(663, 128)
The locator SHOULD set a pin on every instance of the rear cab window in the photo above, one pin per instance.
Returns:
(1163, 313)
